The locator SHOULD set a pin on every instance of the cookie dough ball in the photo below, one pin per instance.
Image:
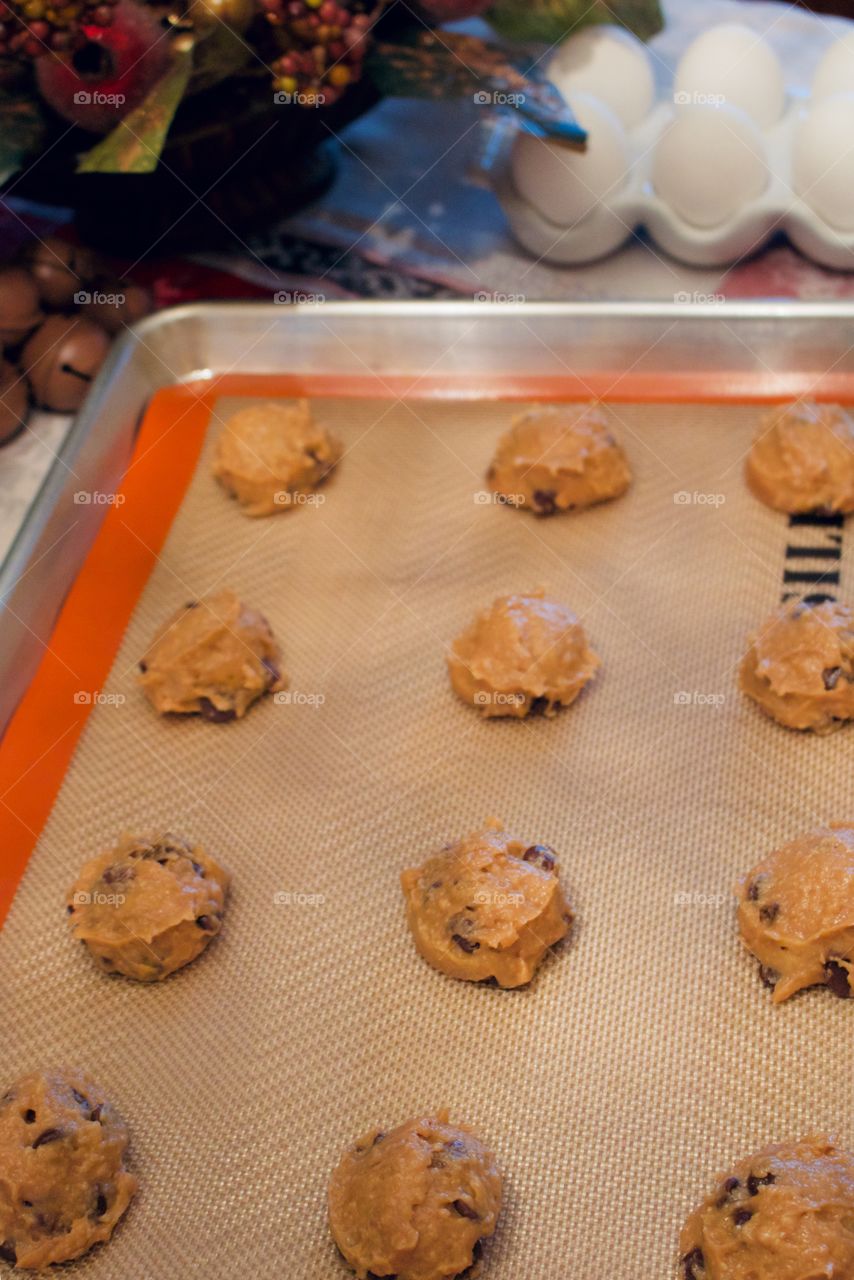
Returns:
(803, 458)
(796, 913)
(786, 1213)
(63, 1180)
(558, 458)
(524, 653)
(800, 666)
(214, 658)
(268, 455)
(149, 906)
(489, 906)
(414, 1203)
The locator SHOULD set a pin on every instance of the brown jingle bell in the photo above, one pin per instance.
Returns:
(60, 270)
(61, 360)
(117, 304)
(20, 310)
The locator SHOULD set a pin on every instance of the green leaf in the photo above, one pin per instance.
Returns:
(134, 146)
(23, 127)
(444, 64)
(553, 20)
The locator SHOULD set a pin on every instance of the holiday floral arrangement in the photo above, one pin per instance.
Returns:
(113, 74)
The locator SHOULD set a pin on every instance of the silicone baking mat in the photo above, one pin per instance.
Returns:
(644, 1056)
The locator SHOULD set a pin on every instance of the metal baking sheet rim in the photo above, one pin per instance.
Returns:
(48, 550)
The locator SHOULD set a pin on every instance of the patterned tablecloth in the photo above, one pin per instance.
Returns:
(420, 220)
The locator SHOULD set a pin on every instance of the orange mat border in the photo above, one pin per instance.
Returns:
(43, 733)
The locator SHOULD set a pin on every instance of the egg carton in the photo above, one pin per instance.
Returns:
(635, 205)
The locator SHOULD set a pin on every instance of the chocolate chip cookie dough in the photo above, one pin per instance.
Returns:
(796, 912)
(268, 455)
(786, 1213)
(214, 658)
(524, 653)
(416, 1202)
(803, 458)
(489, 906)
(559, 458)
(799, 667)
(149, 906)
(63, 1181)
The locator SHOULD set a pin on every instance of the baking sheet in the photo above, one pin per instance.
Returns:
(24, 463)
(643, 1057)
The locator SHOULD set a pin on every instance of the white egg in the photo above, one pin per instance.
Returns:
(730, 64)
(835, 72)
(610, 63)
(563, 184)
(709, 163)
(823, 159)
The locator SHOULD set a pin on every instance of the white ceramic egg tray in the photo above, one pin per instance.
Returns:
(635, 204)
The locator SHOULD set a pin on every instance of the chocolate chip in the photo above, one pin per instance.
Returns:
(540, 706)
(830, 676)
(199, 869)
(474, 1269)
(95, 1114)
(757, 1180)
(101, 1206)
(741, 1216)
(80, 1100)
(49, 1135)
(544, 502)
(214, 714)
(205, 922)
(117, 874)
(272, 669)
(769, 913)
(191, 604)
(769, 977)
(836, 977)
(694, 1265)
(143, 666)
(731, 1185)
(8, 1254)
(465, 1210)
(377, 1138)
(465, 944)
(541, 856)
(29, 1116)
(753, 891)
